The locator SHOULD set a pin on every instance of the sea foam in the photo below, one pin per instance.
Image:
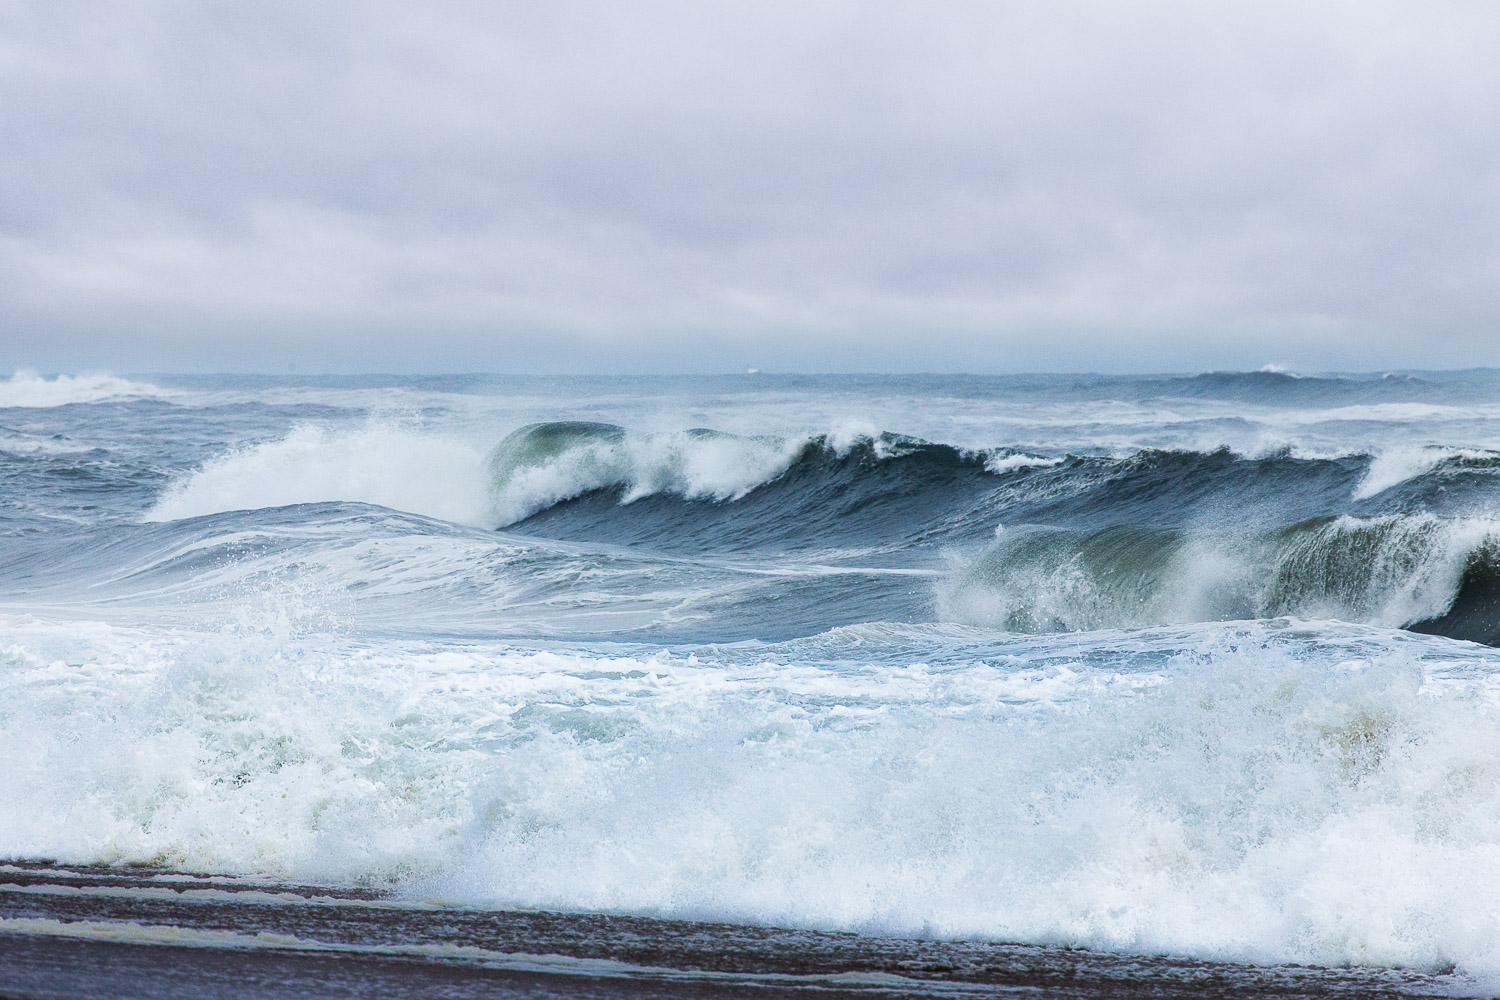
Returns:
(540, 465)
(1235, 793)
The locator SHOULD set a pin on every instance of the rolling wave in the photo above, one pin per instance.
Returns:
(392, 464)
(1154, 537)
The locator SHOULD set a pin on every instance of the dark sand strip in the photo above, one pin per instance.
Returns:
(131, 933)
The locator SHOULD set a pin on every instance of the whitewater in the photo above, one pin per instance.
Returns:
(1198, 666)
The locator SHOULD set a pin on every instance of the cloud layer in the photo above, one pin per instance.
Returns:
(703, 186)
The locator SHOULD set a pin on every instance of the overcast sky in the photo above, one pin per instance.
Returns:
(711, 186)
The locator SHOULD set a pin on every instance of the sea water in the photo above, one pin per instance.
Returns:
(1188, 665)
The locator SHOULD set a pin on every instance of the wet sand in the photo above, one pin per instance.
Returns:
(132, 933)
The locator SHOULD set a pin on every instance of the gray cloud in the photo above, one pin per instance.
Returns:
(701, 186)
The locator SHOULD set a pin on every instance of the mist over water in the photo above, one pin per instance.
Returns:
(1196, 665)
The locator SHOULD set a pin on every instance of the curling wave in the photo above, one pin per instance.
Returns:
(788, 490)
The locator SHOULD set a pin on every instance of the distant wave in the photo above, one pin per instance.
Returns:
(1276, 385)
(26, 389)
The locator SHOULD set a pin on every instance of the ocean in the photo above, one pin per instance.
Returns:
(875, 684)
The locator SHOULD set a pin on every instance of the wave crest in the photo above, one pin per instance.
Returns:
(1391, 468)
(542, 464)
(378, 463)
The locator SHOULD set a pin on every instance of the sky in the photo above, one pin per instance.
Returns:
(808, 186)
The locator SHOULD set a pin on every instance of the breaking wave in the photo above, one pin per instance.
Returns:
(1398, 465)
(1090, 541)
(542, 464)
(534, 468)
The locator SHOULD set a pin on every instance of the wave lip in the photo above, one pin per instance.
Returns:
(28, 390)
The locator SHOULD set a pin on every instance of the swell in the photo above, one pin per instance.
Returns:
(357, 569)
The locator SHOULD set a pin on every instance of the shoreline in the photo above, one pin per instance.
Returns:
(81, 931)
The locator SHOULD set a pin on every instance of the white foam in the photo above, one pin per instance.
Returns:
(1256, 799)
(1397, 465)
(1388, 413)
(999, 464)
(27, 389)
(380, 462)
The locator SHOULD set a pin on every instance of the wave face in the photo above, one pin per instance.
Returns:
(539, 465)
(1186, 664)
